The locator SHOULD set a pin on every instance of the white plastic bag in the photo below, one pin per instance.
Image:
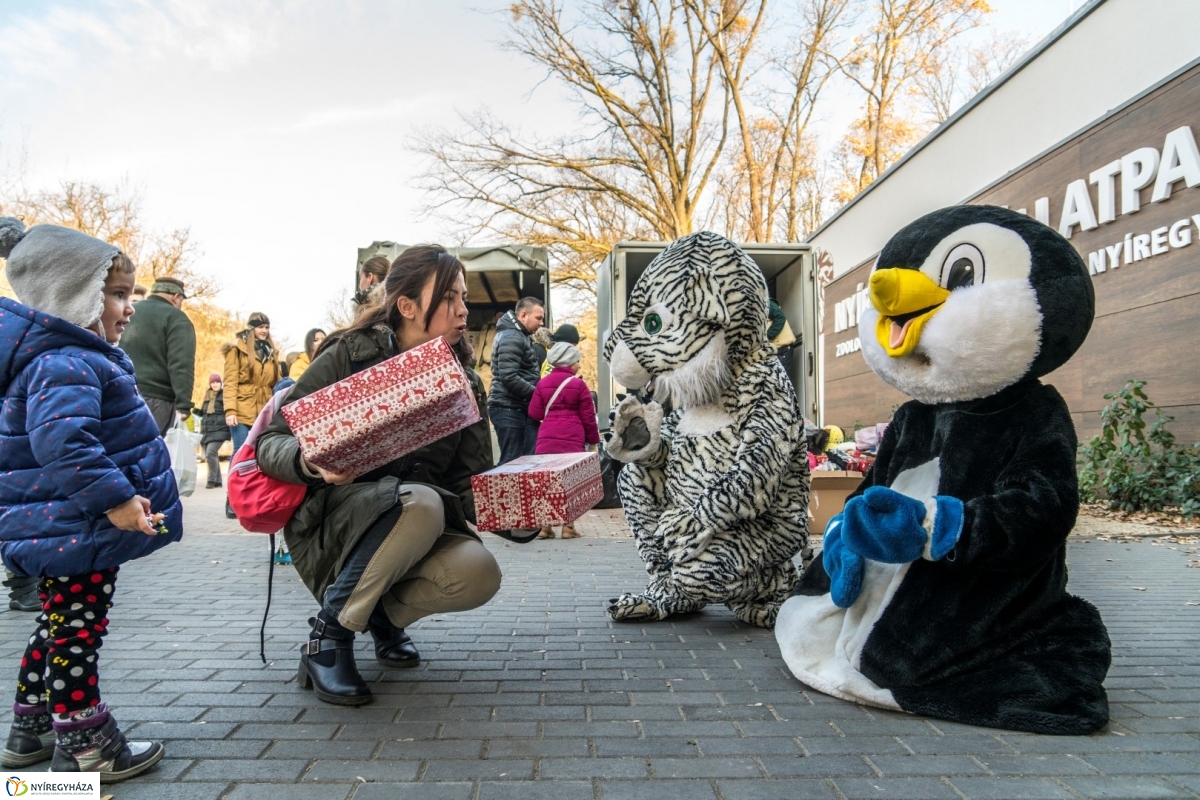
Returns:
(868, 438)
(182, 444)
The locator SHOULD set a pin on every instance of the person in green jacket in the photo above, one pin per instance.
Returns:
(779, 331)
(383, 550)
(161, 343)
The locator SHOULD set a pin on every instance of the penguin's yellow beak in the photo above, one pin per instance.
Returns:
(906, 299)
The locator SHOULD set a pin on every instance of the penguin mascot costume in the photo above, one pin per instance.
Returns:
(941, 588)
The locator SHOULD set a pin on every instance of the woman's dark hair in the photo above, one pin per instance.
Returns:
(377, 266)
(407, 277)
(309, 345)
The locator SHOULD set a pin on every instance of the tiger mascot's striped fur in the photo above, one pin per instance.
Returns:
(716, 487)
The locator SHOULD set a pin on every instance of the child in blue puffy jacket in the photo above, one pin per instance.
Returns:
(85, 485)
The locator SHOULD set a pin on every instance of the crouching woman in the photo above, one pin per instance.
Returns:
(382, 550)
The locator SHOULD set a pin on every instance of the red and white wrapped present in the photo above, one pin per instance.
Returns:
(532, 491)
(384, 412)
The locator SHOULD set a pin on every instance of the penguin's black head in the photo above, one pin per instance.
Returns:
(971, 299)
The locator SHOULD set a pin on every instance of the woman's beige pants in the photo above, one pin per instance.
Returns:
(420, 568)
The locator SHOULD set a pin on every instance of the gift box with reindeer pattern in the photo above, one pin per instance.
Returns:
(532, 491)
(384, 412)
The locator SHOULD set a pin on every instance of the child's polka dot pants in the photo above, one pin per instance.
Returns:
(59, 668)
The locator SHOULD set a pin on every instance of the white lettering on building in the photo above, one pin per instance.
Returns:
(1179, 162)
(847, 347)
(1140, 246)
(846, 312)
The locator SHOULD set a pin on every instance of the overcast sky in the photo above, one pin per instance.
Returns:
(274, 130)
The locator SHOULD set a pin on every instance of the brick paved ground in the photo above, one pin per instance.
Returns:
(537, 695)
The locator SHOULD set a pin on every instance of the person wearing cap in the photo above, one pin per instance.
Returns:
(563, 333)
(213, 430)
(161, 342)
(252, 369)
(563, 405)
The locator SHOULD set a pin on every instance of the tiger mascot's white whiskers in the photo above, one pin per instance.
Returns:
(700, 381)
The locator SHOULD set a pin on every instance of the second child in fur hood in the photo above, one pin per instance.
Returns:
(251, 370)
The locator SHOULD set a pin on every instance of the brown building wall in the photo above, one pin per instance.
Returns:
(1147, 313)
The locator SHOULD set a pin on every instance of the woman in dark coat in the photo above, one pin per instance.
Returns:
(214, 432)
(383, 550)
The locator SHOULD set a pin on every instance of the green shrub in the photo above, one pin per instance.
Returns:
(1135, 466)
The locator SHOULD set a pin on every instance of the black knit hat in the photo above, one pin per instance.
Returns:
(256, 319)
(566, 333)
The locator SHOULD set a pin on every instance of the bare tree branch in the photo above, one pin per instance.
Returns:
(955, 76)
(673, 136)
(905, 40)
(114, 215)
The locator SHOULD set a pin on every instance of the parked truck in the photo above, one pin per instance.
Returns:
(791, 279)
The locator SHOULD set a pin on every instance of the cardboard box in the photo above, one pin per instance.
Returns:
(830, 488)
(532, 491)
(384, 412)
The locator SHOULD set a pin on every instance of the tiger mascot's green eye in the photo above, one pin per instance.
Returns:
(652, 323)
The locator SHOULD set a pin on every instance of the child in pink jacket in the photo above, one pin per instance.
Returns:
(563, 405)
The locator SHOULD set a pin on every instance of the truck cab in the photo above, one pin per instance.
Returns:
(790, 273)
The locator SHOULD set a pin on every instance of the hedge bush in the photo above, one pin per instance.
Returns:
(1135, 465)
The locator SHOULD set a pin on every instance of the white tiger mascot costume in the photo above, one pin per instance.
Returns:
(716, 487)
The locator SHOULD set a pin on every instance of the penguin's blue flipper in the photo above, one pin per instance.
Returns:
(843, 565)
(886, 526)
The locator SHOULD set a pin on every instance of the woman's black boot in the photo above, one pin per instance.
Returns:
(327, 664)
(393, 647)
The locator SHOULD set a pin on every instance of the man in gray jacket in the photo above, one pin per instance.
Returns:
(161, 342)
(515, 367)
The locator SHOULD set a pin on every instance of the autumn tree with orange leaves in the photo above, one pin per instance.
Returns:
(114, 215)
(694, 113)
(905, 41)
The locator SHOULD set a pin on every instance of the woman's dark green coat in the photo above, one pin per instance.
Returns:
(332, 519)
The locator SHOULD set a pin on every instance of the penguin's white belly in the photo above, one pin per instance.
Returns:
(822, 644)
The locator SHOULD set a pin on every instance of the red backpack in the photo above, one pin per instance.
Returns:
(263, 504)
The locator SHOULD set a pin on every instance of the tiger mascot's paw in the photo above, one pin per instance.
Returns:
(635, 430)
(634, 608)
(760, 615)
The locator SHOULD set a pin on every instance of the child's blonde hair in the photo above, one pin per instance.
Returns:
(123, 264)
